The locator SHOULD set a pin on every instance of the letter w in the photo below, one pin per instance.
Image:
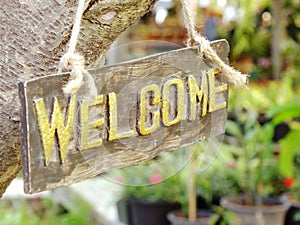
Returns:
(57, 124)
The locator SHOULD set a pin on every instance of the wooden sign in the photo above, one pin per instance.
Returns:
(143, 107)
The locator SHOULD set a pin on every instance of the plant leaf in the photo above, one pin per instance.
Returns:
(289, 146)
(233, 128)
(284, 112)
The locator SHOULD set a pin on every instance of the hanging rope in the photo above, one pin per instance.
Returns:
(194, 38)
(75, 62)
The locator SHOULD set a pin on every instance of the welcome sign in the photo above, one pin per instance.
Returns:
(143, 107)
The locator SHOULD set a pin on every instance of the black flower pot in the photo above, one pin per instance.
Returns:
(151, 213)
(291, 218)
(294, 210)
(124, 211)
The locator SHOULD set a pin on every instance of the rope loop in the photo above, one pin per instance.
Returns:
(70, 61)
(74, 62)
(194, 38)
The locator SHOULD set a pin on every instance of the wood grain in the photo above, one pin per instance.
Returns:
(126, 80)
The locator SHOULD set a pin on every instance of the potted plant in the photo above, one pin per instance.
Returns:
(202, 183)
(211, 184)
(150, 204)
(253, 170)
(150, 190)
(189, 215)
(151, 193)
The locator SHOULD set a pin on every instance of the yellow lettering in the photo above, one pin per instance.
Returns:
(196, 93)
(57, 124)
(213, 90)
(113, 120)
(85, 124)
(179, 110)
(155, 116)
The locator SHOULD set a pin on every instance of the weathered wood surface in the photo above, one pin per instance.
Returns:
(34, 35)
(122, 134)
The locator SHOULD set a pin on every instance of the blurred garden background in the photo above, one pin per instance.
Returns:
(259, 157)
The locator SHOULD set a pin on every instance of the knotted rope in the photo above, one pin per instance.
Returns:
(233, 76)
(74, 62)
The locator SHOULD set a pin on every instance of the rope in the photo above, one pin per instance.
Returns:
(75, 62)
(233, 76)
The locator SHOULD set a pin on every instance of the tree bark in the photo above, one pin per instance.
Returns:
(277, 38)
(34, 35)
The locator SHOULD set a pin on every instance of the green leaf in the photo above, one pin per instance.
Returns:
(233, 128)
(251, 120)
(297, 216)
(289, 146)
(214, 219)
(284, 112)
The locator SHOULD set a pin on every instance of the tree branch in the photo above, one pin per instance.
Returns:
(34, 35)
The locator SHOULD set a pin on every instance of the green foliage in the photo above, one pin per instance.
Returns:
(155, 180)
(260, 97)
(212, 182)
(18, 214)
(290, 146)
(250, 146)
(250, 36)
(223, 217)
(297, 216)
(251, 41)
(169, 190)
(21, 212)
(284, 113)
(251, 152)
(247, 36)
(289, 167)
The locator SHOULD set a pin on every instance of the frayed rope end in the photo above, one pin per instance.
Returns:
(235, 77)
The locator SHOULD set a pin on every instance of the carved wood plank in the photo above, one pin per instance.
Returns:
(143, 107)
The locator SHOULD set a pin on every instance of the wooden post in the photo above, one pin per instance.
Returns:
(192, 188)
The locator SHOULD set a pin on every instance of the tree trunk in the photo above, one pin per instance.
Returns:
(277, 38)
(34, 35)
